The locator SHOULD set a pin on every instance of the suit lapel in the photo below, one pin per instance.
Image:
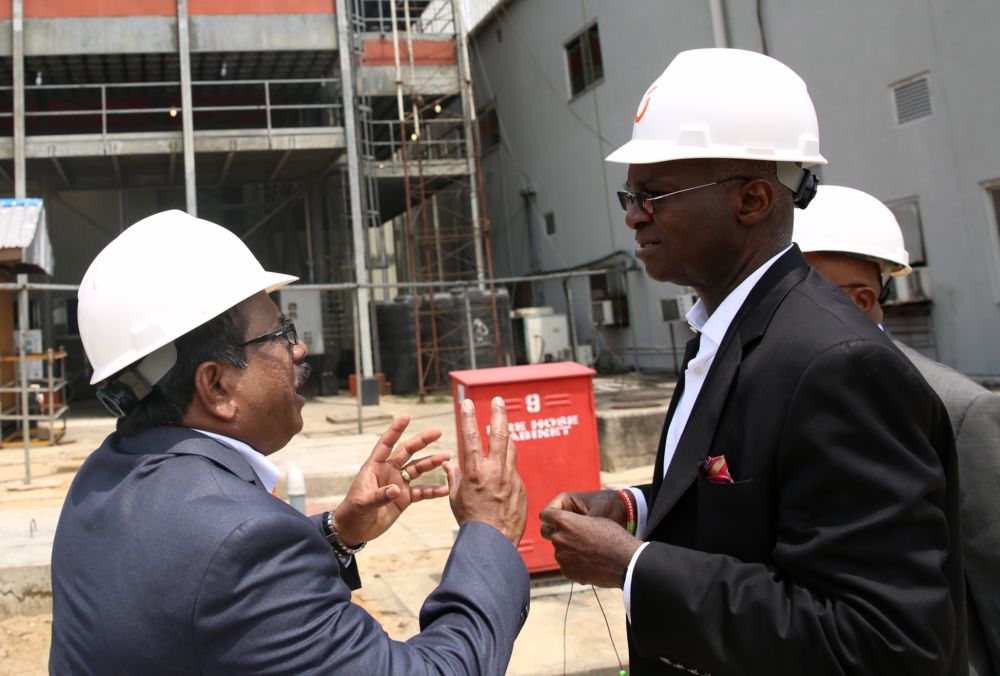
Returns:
(748, 326)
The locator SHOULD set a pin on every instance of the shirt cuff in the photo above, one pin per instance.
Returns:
(627, 589)
(642, 512)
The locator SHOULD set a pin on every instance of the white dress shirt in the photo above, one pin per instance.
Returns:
(265, 469)
(712, 329)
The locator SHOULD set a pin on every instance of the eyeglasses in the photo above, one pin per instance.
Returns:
(628, 199)
(287, 329)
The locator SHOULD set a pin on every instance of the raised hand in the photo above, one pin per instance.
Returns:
(381, 490)
(488, 488)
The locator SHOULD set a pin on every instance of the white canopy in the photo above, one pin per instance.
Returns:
(24, 239)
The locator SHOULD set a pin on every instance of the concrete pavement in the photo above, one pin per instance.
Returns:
(398, 570)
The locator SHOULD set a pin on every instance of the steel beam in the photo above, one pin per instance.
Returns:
(225, 167)
(62, 172)
(280, 165)
(114, 165)
(187, 117)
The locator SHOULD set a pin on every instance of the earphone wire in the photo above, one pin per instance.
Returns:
(569, 600)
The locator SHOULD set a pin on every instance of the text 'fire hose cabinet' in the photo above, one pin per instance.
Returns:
(550, 410)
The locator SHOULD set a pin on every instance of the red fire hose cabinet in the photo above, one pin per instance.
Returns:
(550, 410)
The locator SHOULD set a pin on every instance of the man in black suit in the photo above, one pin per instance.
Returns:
(171, 555)
(802, 517)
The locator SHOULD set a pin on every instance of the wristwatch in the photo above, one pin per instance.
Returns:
(333, 537)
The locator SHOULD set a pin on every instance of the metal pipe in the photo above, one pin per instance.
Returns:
(187, 115)
(718, 10)
(570, 318)
(471, 333)
(350, 286)
(17, 54)
(22, 330)
(469, 118)
(353, 175)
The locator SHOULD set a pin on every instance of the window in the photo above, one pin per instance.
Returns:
(912, 98)
(583, 57)
(907, 213)
(994, 192)
(489, 127)
(550, 224)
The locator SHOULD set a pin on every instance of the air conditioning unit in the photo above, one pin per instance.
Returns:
(603, 312)
(913, 288)
(676, 308)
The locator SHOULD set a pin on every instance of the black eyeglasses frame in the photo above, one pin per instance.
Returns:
(286, 330)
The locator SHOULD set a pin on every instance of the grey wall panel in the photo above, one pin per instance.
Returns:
(263, 33)
(104, 35)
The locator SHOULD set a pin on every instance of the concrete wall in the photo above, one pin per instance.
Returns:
(158, 34)
(849, 59)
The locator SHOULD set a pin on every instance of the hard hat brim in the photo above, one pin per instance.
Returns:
(647, 151)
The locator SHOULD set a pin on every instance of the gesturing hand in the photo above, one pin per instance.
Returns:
(488, 488)
(379, 493)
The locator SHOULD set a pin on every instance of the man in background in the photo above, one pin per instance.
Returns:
(855, 242)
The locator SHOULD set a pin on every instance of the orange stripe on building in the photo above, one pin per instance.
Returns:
(75, 9)
(218, 7)
(425, 53)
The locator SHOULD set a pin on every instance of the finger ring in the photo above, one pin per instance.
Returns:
(406, 475)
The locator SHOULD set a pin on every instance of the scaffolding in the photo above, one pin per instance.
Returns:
(427, 139)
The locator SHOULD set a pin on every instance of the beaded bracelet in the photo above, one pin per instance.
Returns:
(630, 511)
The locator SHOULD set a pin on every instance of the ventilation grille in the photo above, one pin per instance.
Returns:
(913, 100)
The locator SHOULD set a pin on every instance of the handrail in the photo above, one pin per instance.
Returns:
(265, 88)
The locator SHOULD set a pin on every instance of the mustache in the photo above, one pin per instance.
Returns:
(302, 372)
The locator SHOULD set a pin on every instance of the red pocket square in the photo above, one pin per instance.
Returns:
(715, 469)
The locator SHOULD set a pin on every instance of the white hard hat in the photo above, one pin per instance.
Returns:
(845, 220)
(724, 103)
(727, 103)
(162, 277)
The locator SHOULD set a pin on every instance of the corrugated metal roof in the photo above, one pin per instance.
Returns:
(22, 226)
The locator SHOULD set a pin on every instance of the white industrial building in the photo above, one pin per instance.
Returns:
(907, 101)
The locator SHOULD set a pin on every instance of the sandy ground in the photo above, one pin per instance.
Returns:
(24, 645)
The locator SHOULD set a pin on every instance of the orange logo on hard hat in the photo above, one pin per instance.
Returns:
(644, 104)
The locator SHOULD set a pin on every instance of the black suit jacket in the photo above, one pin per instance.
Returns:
(169, 558)
(836, 550)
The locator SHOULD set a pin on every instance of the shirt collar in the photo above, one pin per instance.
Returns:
(264, 468)
(714, 326)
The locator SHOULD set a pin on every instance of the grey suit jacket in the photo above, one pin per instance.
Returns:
(169, 558)
(975, 418)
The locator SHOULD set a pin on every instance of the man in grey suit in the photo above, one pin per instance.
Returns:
(173, 557)
(854, 241)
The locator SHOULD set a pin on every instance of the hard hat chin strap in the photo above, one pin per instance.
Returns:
(136, 382)
(801, 182)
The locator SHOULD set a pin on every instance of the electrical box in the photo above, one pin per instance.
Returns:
(912, 288)
(552, 419)
(676, 308)
(542, 335)
(603, 312)
(304, 308)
